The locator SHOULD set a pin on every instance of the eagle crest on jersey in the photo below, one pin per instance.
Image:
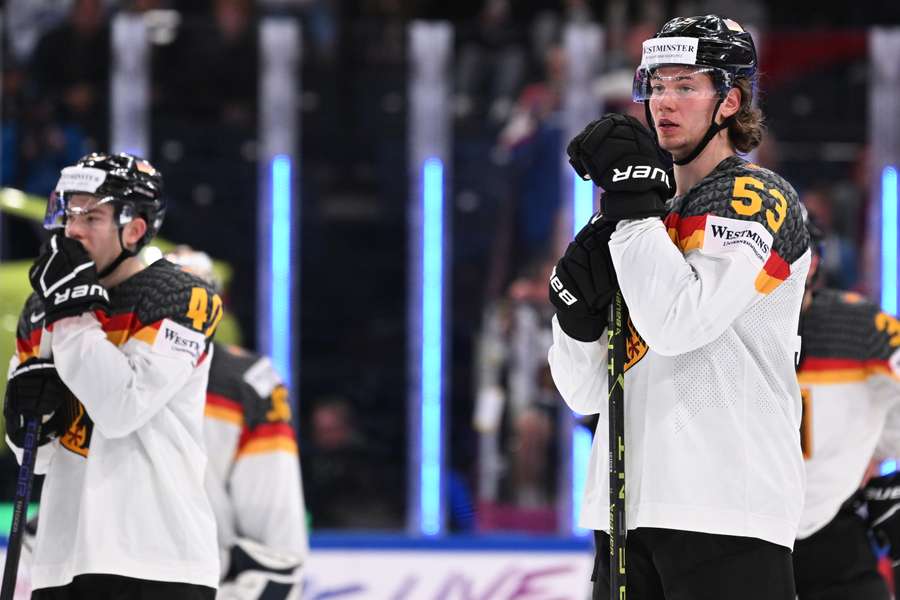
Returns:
(173, 311)
(741, 206)
(635, 347)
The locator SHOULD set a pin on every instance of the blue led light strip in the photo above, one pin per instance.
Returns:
(581, 451)
(889, 240)
(583, 208)
(280, 330)
(432, 350)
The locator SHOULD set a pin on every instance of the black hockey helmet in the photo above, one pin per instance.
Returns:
(712, 44)
(130, 183)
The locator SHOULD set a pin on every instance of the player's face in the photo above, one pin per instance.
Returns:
(681, 102)
(94, 226)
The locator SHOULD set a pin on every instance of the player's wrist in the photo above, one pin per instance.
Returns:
(620, 206)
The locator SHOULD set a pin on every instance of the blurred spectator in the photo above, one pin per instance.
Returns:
(346, 477)
(217, 64)
(491, 64)
(517, 408)
(70, 71)
(839, 257)
(532, 141)
(26, 22)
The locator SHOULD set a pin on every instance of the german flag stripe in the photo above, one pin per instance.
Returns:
(840, 370)
(224, 408)
(686, 232)
(773, 273)
(268, 446)
(30, 347)
(121, 328)
(268, 437)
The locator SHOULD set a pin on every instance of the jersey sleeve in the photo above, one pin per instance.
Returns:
(265, 485)
(736, 239)
(883, 361)
(123, 378)
(579, 371)
(29, 334)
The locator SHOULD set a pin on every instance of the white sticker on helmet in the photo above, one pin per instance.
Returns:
(669, 50)
(80, 179)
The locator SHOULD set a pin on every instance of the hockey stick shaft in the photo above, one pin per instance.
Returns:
(20, 507)
(617, 327)
(24, 482)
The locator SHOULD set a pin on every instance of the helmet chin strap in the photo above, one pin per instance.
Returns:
(123, 255)
(713, 129)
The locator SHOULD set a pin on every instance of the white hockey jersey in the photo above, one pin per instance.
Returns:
(253, 479)
(850, 382)
(712, 403)
(123, 492)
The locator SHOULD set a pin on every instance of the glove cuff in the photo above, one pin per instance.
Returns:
(617, 206)
(75, 309)
(583, 329)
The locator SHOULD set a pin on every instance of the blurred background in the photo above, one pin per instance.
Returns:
(384, 182)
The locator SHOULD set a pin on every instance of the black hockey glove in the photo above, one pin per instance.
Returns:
(619, 155)
(35, 390)
(883, 501)
(583, 282)
(65, 278)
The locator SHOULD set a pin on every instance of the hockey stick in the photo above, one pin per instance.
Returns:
(618, 318)
(23, 493)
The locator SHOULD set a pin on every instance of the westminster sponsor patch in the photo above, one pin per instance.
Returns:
(728, 235)
(669, 50)
(177, 340)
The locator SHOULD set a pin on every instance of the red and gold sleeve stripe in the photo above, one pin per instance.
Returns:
(29, 347)
(223, 408)
(122, 327)
(840, 370)
(686, 232)
(773, 273)
(267, 438)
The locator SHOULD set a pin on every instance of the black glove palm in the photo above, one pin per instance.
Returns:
(35, 390)
(583, 282)
(618, 154)
(66, 280)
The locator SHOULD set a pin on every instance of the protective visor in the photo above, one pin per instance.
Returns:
(80, 181)
(669, 63)
(682, 81)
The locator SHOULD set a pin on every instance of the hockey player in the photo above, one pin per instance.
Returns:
(124, 513)
(850, 382)
(253, 477)
(714, 281)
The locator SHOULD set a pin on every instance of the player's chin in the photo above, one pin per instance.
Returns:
(671, 144)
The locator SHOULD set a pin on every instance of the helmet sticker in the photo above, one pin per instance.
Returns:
(80, 179)
(669, 50)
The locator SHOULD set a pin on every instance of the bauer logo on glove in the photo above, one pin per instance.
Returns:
(558, 287)
(65, 278)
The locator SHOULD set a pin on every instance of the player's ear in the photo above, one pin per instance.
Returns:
(731, 103)
(133, 232)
